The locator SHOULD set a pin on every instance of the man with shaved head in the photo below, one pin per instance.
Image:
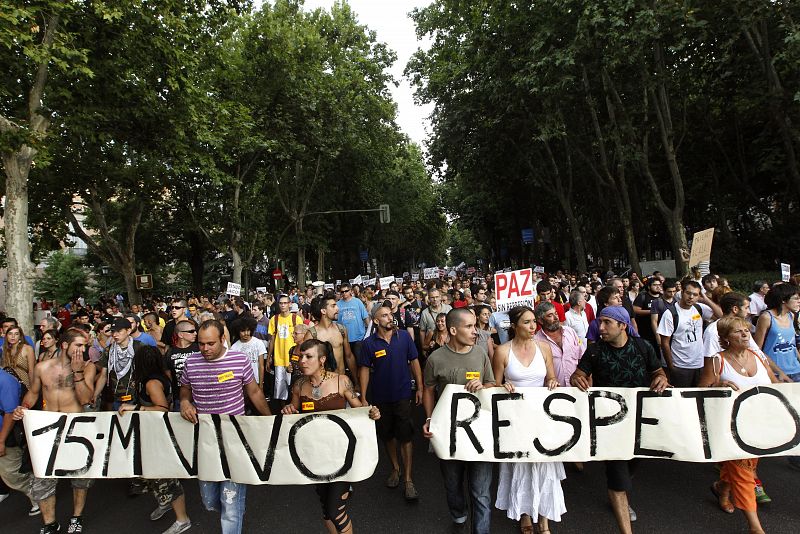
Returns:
(461, 362)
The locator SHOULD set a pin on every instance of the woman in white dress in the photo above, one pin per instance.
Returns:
(528, 490)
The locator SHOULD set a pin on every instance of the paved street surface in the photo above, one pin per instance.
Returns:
(668, 497)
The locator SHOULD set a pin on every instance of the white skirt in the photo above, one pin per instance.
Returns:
(532, 488)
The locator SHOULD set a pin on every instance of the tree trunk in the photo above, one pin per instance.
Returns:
(128, 271)
(19, 294)
(301, 256)
(196, 261)
(237, 265)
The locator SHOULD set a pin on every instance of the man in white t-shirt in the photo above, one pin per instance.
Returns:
(250, 346)
(757, 304)
(576, 315)
(682, 343)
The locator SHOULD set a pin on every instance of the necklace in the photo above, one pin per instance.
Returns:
(316, 394)
(741, 365)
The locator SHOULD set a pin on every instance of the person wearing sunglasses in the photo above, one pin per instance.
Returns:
(177, 312)
(176, 355)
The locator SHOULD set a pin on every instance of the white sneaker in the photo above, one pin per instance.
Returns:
(159, 512)
(34, 510)
(178, 527)
(632, 514)
(4, 496)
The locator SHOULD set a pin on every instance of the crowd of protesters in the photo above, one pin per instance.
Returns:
(394, 348)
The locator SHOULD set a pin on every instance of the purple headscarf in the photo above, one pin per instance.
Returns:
(619, 314)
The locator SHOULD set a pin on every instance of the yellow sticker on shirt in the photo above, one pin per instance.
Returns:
(224, 377)
(125, 398)
(295, 358)
(380, 354)
(695, 317)
(308, 406)
(473, 375)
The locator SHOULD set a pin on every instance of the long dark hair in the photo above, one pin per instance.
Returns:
(147, 362)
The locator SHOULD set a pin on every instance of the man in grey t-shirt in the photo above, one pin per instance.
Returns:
(461, 362)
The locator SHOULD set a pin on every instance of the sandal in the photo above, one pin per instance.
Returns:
(724, 502)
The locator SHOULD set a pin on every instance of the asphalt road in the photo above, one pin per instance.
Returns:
(668, 497)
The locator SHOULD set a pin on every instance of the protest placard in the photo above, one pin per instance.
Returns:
(386, 281)
(429, 273)
(569, 425)
(233, 289)
(415, 277)
(701, 247)
(284, 449)
(514, 288)
(786, 271)
(538, 269)
(328, 287)
(261, 289)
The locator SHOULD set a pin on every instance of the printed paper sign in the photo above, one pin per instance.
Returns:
(514, 289)
(701, 247)
(415, 277)
(370, 282)
(386, 281)
(786, 271)
(398, 280)
(538, 269)
(569, 425)
(261, 289)
(430, 273)
(234, 289)
(246, 449)
(328, 287)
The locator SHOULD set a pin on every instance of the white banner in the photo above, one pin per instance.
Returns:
(234, 289)
(287, 449)
(566, 424)
(514, 289)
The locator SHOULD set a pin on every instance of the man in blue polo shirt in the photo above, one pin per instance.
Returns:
(353, 316)
(388, 353)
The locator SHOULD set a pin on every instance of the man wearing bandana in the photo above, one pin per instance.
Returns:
(116, 364)
(618, 359)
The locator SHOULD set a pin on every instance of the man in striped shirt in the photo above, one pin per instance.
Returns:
(215, 381)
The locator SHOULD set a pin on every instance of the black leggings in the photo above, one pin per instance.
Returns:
(333, 497)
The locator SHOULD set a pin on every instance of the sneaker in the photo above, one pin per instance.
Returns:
(761, 495)
(136, 488)
(34, 511)
(4, 496)
(159, 512)
(411, 491)
(75, 525)
(632, 514)
(394, 479)
(52, 528)
(178, 527)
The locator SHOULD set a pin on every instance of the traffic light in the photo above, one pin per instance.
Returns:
(384, 209)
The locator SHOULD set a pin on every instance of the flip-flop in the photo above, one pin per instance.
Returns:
(724, 503)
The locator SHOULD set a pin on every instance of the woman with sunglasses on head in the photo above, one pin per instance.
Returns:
(321, 389)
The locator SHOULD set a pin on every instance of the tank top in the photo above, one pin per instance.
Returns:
(779, 344)
(531, 376)
(728, 373)
(20, 365)
(331, 401)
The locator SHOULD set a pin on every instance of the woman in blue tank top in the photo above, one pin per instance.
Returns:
(775, 332)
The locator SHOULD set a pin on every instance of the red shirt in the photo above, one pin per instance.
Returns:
(65, 318)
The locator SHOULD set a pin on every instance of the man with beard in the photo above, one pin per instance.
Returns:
(325, 312)
(566, 346)
(642, 306)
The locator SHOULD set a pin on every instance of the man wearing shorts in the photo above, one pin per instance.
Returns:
(391, 355)
(67, 383)
(281, 327)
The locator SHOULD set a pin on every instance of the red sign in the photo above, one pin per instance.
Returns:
(277, 274)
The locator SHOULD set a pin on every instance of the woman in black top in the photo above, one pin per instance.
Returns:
(154, 393)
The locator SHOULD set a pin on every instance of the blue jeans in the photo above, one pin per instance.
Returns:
(228, 498)
(480, 481)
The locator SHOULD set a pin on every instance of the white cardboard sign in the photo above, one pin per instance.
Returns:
(234, 289)
(285, 449)
(429, 273)
(786, 271)
(386, 281)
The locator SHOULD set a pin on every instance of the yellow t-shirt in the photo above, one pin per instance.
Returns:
(284, 340)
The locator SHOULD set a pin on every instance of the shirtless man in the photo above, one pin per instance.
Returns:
(67, 383)
(325, 311)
